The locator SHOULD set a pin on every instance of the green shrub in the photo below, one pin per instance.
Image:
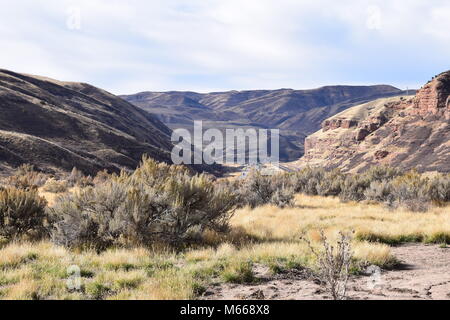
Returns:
(354, 186)
(22, 213)
(88, 217)
(382, 173)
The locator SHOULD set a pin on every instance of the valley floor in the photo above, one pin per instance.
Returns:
(262, 257)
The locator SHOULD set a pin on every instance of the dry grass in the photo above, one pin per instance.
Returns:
(369, 221)
(52, 196)
(266, 235)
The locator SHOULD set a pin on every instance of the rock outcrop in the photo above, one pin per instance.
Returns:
(434, 97)
(407, 132)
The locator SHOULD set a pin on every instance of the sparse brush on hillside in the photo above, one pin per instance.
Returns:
(26, 177)
(157, 203)
(22, 213)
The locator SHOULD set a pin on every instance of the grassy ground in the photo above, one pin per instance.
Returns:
(266, 235)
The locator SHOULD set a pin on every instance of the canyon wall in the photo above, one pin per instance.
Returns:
(407, 132)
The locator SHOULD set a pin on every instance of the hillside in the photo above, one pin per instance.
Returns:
(407, 132)
(297, 113)
(58, 125)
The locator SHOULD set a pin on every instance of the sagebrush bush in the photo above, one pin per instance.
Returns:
(333, 264)
(101, 177)
(257, 190)
(331, 184)
(410, 191)
(89, 217)
(55, 186)
(382, 173)
(74, 177)
(141, 208)
(283, 197)
(381, 184)
(379, 191)
(306, 180)
(152, 173)
(25, 177)
(355, 186)
(22, 213)
(438, 189)
(77, 178)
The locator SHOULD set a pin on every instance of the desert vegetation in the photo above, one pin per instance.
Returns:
(164, 232)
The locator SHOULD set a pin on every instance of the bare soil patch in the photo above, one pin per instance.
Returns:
(424, 273)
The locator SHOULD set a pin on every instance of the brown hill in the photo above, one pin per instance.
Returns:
(58, 125)
(297, 113)
(408, 132)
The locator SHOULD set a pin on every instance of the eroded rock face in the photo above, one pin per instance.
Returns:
(410, 132)
(338, 123)
(433, 98)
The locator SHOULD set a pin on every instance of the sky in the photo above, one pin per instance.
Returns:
(216, 45)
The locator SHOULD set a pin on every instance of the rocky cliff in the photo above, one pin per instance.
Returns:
(407, 132)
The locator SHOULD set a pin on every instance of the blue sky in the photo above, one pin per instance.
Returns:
(213, 45)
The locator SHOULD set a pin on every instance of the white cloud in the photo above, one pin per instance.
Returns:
(201, 45)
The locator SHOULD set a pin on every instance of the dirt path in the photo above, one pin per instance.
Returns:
(424, 274)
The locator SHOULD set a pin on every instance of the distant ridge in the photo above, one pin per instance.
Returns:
(297, 113)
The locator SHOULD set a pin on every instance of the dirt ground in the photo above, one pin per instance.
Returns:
(424, 273)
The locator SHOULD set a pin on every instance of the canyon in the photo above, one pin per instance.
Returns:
(296, 113)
